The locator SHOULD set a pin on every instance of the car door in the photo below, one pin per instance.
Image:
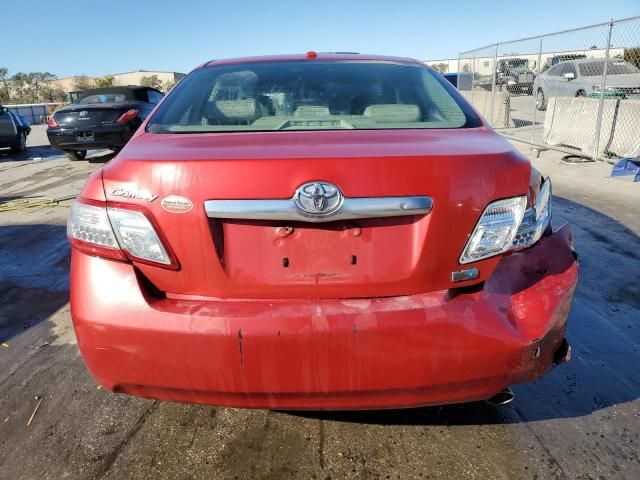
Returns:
(8, 129)
(551, 85)
(566, 87)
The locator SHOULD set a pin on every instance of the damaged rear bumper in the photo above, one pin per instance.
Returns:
(434, 348)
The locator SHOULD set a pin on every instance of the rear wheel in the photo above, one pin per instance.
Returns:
(21, 145)
(76, 155)
(540, 100)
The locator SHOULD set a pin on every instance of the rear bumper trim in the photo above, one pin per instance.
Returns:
(352, 208)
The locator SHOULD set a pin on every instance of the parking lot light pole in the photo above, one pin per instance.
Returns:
(602, 88)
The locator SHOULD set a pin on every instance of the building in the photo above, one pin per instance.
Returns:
(70, 84)
(482, 65)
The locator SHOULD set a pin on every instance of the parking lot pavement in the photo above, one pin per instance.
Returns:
(580, 421)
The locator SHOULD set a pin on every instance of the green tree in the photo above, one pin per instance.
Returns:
(21, 88)
(152, 81)
(440, 67)
(39, 84)
(82, 82)
(105, 82)
(5, 93)
(167, 86)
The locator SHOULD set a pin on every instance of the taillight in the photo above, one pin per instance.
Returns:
(536, 219)
(495, 230)
(51, 122)
(127, 116)
(122, 232)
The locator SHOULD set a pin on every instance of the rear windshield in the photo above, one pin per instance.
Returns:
(596, 69)
(104, 98)
(311, 95)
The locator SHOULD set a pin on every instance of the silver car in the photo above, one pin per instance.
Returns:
(576, 78)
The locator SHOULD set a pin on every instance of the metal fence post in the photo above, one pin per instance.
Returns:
(535, 94)
(602, 88)
(493, 83)
(473, 78)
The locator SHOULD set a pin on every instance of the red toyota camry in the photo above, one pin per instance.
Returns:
(320, 231)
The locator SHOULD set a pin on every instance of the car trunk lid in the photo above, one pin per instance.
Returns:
(173, 176)
(81, 116)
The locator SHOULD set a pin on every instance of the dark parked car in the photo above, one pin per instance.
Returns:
(102, 118)
(14, 129)
(515, 75)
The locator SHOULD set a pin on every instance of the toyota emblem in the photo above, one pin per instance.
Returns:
(318, 198)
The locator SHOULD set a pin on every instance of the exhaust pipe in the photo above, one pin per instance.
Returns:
(504, 397)
(562, 354)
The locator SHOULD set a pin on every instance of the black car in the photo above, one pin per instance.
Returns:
(102, 118)
(14, 130)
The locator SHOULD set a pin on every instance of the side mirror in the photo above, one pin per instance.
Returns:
(569, 76)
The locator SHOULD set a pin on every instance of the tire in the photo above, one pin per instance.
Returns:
(75, 155)
(541, 102)
(21, 146)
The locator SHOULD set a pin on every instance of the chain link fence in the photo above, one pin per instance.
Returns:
(576, 90)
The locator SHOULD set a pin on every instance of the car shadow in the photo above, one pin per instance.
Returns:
(41, 153)
(45, 153)
(603, 330)
(101, 156)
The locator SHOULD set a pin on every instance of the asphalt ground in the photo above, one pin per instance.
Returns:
(580, 421)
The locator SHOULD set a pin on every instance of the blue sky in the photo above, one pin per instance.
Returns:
(69, 37)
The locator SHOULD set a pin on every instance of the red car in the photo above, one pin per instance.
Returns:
(320, 231)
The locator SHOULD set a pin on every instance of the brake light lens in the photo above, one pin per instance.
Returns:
(89, 230)
(137, 236)
(495, 231)
(127, 116)
(52, 123)
(117, 233)
(536, 219)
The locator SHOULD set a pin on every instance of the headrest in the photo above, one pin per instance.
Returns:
(247, 109)
(393, 113)
(311, 111)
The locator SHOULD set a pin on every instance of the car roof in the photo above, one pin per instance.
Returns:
(593, 59)
(349, 56)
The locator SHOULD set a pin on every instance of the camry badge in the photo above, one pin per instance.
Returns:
(318, 198)
(176, 204)
(141, 195)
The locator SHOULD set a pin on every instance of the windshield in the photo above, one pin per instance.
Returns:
(596, 69)
(310, 95)
(104, 98)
